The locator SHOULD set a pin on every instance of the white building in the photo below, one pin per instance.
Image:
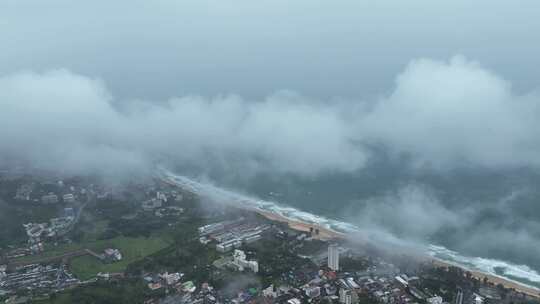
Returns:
(113, 254)
(161, 196)
(3, 271)
(171, 278)
(151, 204)
(333, 257)
(270, 292)
(435, 300)
(352, 283)
(345, 296)
(239, 259)
(313, 291)
(294, 301)
(477, 299)
(68, 198)
(50, 198)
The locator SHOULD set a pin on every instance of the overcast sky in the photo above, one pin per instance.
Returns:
(158, 49)
(298, 87)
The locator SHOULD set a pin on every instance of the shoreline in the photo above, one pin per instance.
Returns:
(325, 234)
(530, 291)
(328, 234)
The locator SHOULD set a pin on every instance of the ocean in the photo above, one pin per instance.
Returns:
(281, 203)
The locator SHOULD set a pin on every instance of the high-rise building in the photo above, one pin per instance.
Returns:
(345, 296)
(333, 257)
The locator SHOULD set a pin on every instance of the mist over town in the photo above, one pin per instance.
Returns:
(354, 152)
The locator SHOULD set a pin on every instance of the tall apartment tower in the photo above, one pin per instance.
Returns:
(333, 257)
(345, 296)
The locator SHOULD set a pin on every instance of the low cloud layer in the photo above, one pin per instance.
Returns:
(443, 114)
(62, 120)
(414, 214)
(447, 113)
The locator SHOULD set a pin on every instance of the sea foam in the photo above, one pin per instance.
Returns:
(520, 274)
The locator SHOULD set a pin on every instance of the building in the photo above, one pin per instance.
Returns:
(345, 296)
(68, 198)
(333, 257)
(239, 259)
(211, 228)
(161, 196)
(151, 204)
(50, 198)
(188, 287)
(270, 292)
(435, 300)
(228, 245)
(112, 255)
(402, 281)
(171, 278)
(352, 283)
(252, 238)
(313, 291)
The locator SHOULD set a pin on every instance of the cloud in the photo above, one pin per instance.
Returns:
(62, 120)
(444, 114)
(451, 113)
(412, 212)
(350, 49)
(414, 216)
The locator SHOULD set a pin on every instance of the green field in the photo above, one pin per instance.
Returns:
(128, 292)
(50, 251)
(84, 267)
(94, 230)
(132, 249)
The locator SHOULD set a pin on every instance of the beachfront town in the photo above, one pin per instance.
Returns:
(84, 240)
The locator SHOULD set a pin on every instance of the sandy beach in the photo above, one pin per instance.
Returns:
(329, 234)
(325, 234)
(492, 278)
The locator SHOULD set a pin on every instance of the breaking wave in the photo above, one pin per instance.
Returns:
(520, 274)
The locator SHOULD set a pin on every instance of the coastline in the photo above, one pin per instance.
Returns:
(325, 234)
(530, 291)
(328, 234)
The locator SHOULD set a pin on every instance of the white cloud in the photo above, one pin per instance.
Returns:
(412, 212)
(59, 119)
(456, 112)
(445, 114)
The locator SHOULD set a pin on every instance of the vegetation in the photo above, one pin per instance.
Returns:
(353, 264)
(127, 291)
(186, 254)
(132, 249)
(142, 225)
(276, 258)
(13, 214)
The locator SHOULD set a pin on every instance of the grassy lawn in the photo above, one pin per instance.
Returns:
(132, 249)
(95, 229)
(127, 291)
(51, 251)
(84, 267)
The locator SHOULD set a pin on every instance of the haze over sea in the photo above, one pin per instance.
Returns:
(388, 201)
